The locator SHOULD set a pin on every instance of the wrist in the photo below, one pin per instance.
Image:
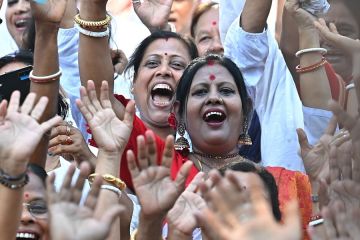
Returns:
(92, 11)
(12, 168)
(149, 226)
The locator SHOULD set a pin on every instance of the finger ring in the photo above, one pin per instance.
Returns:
(68, 130)
(68, 140)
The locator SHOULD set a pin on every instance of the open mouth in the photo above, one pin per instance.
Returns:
(21, 23)
(214, 117)
(25, 236)
(172, 20)
(162, 94)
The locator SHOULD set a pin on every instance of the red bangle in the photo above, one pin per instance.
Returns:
(311, 68)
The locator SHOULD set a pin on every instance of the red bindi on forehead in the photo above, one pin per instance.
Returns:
(214, 23)
(26, 195)
(212, 77)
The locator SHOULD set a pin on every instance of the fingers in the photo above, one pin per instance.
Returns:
(142, 152)
(303, 141)
(292, 219)
(3, 110)
(151, 148)
(47, 125)
(343, 117)
(39, 108)
(334, 169)
(93, 97)
(93, 195)
(82, 105)
(50, 188)
(60, 140)
(79, 184)
(168, 152)
(104, 95)
(14, 102)
(182, 176)
(28, 104)
(331, 127)
(65, 188)
(134, 171)
(129, 114)
(110, 215)
(193, 186)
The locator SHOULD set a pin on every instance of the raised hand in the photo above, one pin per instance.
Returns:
(338, 224)
(20, 131)
(316, 158)
(260, 224)
(352, 124)
(182, 216)
(51, 11)
(110, 133)
(78, 222)
(153, 13)
(303, 18)
(155, 189)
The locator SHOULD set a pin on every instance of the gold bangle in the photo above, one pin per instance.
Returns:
(133, 234)
(117, 182)
(92, 24)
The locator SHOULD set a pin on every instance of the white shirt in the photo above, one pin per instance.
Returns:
(273, 91)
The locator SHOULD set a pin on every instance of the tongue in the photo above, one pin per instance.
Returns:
(161, 98)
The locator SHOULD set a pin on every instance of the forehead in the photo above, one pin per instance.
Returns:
(208, 19)
(35, 188)
(213, 73)
(170, 46)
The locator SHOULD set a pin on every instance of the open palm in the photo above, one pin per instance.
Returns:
(153, 13)
(78, 222)
(19, 129)
(182, 215)
(110, 133)
(156, 191)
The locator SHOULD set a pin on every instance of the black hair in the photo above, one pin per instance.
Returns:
(353, 6)
(266, 177)
(137, 56)
(199, 11)
(23, 56)
(186, 79)
(27, 57)
(38, 171)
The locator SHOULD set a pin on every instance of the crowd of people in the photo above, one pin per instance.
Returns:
(180, 119)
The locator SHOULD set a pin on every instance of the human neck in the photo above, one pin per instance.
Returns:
(162, 132)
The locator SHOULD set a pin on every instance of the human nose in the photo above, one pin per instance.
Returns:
(26, 216)
(164, 70)
(22, 6)
(214, 98)
(216, 46)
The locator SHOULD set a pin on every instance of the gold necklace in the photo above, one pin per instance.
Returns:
(200, 161)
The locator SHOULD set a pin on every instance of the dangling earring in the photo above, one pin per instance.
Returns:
(182, 144)
(245, 138)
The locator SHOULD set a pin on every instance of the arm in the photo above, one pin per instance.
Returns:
(94, 55)
(47, 20)
(314, 85)
(19, 134)
(111, 135)
(155, 189)
(271, 88)
(254, 15)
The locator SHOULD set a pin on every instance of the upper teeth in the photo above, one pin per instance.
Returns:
(213, 113)
(25, 235)
(162, 86)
